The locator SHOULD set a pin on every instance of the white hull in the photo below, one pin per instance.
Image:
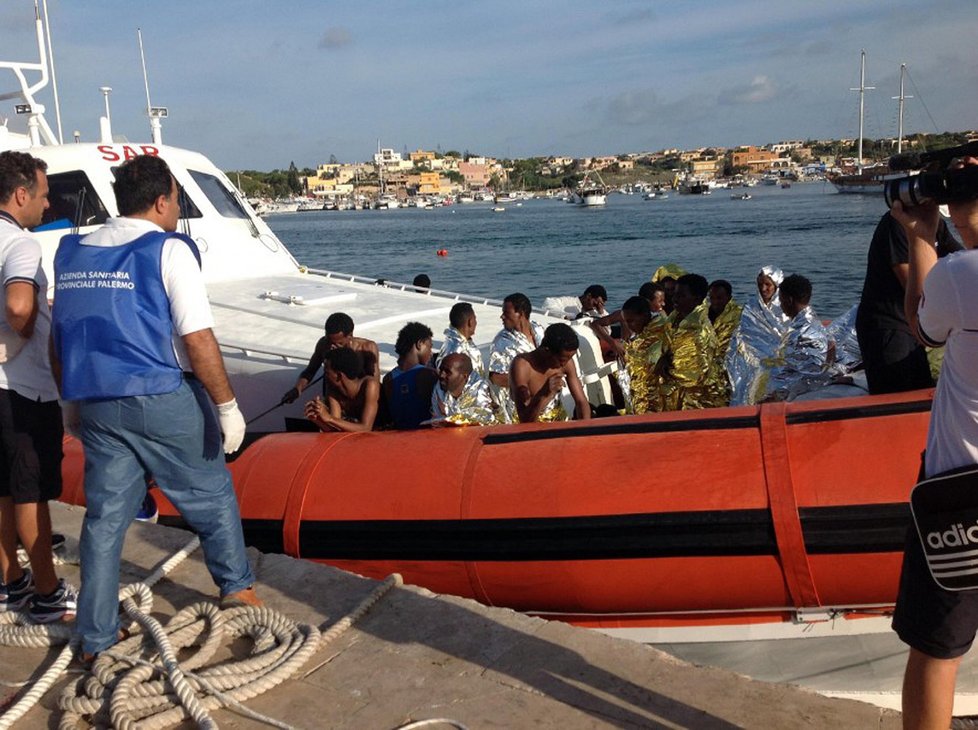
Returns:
(589, 199)
(860, 659)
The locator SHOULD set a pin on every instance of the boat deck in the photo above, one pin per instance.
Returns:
(417, 655)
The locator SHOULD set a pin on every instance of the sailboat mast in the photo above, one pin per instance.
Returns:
(903, 97)
(862, 93)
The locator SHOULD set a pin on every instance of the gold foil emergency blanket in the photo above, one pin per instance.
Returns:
(473, 407)
(693, 378)
(642, 353)
(725, 325)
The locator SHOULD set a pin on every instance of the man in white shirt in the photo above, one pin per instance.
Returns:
(30, 418)
(940, 625)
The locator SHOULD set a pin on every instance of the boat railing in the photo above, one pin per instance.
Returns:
(288, 357)
(438, 293)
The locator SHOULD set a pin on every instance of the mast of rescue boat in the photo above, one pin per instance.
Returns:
(38, 129)
(155, 113)
(54, 77)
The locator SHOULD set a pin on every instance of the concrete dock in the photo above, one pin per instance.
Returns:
(417, 655)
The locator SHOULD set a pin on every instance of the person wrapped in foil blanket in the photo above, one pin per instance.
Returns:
(472, 407)
(809, 356)
(757, 341)
(688, 376)
(455, 341)
(505, 347)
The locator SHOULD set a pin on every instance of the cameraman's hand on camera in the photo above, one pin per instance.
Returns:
(918, 221)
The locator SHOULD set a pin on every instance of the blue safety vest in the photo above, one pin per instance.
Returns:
(111, 319)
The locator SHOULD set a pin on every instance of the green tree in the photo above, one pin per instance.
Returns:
(292, 180)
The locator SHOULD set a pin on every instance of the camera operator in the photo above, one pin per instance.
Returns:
(940, 625)
(894, 360)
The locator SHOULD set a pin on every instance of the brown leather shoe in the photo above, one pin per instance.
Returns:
(246, 597)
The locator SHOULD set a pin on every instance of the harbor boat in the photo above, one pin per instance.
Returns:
(869, 179)
(387, 202)
(591, 192)
(774, 523)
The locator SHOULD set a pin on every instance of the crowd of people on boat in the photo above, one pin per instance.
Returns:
(681, 343)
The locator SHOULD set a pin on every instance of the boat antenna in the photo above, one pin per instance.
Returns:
(155, 113)
(901, 98)
(54, 78)
(862, 93)
(79, 210)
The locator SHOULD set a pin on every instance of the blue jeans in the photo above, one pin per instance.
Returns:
(176, 439)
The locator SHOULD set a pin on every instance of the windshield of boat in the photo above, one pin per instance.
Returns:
(226, 202)
(73, 202)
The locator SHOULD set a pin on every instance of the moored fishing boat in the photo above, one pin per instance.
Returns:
(591, 192)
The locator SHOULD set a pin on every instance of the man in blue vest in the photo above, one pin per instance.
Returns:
(133, 334)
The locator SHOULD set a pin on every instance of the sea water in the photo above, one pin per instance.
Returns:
(549, 247)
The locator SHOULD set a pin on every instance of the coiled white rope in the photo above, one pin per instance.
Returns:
(139, 682)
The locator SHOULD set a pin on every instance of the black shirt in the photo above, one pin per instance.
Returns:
(881, 304)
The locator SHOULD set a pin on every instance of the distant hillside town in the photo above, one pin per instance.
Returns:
(403, 178)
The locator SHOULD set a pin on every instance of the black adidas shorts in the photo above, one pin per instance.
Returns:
(939, 623)
(30, 449)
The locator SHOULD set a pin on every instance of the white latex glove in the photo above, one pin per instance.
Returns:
(232, 425)
(71, 418)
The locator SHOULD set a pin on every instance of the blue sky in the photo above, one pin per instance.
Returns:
(257, 83)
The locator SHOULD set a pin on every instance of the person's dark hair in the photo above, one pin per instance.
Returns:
(637, 305)
(596, 290)
(422, 280)
(649, 288)
(797, 287)
(346, 361)
(697, 285)
(464, 359)
(558, 338)
(520, 302)
(666, 278)
(722, 284)
(339, 322)
(139, 182)
(459, 314)
(411, 334)
(18, 170)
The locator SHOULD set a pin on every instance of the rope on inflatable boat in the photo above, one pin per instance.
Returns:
(126, 687)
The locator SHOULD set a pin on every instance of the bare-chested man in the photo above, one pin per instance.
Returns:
(339, 333)
(536, 378)
(352, 397)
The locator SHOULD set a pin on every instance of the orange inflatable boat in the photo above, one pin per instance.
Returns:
(735, 515)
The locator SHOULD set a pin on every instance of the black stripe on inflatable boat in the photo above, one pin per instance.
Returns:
(861, 528)
(866, 411)
(877, 528)
(614, 429)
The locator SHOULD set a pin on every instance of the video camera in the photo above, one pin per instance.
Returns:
(936, 183)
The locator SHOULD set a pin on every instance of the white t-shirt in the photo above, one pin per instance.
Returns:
(183, 281)
(947, 314)
(29, 372)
